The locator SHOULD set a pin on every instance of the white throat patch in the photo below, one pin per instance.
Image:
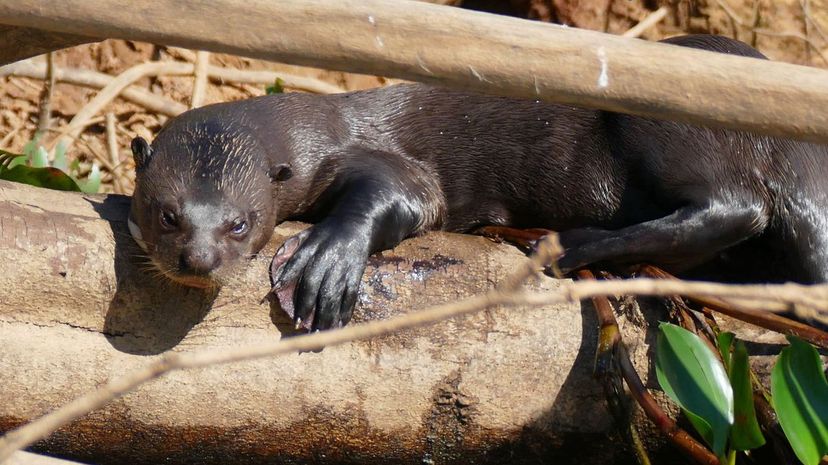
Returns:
(136, 234)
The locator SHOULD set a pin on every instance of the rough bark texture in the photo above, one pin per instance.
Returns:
(469, 50)
(503, 385)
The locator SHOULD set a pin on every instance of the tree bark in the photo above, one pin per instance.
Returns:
(468, 50)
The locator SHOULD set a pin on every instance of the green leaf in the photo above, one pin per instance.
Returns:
(92, 182)
(745, 434)
(31, 146)
(725, 340)
(800, 398)
(278, 87)
(39, 158)
(60, 161)
(13, 168)
(50, 178)
(691, 374)
(9, 160)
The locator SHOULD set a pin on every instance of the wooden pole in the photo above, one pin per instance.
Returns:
(469, 50)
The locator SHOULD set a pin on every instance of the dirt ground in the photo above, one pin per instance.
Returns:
(795, 31)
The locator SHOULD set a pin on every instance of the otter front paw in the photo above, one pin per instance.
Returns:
(316, 274)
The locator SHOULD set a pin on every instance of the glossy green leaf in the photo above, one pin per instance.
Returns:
(60, 162)
(691, 374)
(800, 398)
(51, 178)
(725, 341)
(40, 158)
(31, 146)
(745, 434)
(92, 182)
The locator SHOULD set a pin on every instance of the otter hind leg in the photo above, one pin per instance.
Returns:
(684, 238)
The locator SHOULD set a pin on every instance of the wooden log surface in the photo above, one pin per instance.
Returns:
(465, 49)
(77, 309)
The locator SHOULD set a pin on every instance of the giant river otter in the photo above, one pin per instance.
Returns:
(374, 167)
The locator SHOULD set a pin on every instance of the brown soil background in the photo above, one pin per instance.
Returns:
(794, 31)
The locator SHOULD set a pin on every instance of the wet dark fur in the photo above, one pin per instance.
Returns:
(371, 168)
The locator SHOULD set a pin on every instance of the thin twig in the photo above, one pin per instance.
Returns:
(200, 79)
(751, 311)
(36, 69)
(44, 119)
(794, 35)
(291, 81)
(8, 137)
(114, 88)
(112, 144)
(651, 20)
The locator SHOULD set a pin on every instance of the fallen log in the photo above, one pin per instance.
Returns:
(77, 309)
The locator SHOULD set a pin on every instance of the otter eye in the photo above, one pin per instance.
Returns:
(239, 227)
(168, 219)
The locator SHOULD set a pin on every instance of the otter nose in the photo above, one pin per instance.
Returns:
(199, 260)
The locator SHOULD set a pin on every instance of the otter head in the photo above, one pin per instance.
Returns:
(205, 198)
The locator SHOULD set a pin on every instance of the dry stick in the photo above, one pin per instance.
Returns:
(501, 55)
(507, 293)
(292, 81)
(182, 53)
(108, 93)
(200, 78)
(9, 136)
(37, 70)
(807, 308)
(814, 24)
(767, 297)
(796, 35)
(610, 340)
(754, 316)
(88, 78)
(44, 119)
(757, 16)
(112, 144)
(651, 20)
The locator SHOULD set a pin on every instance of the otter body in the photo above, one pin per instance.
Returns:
(374, 167)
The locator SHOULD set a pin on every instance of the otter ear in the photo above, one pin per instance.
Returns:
(280, 173)
(141, 152)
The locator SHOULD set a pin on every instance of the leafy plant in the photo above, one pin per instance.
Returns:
(693, 377)
(278, 87)
(718, 397)
(32, 167)
(800, 399)
(745, 433)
